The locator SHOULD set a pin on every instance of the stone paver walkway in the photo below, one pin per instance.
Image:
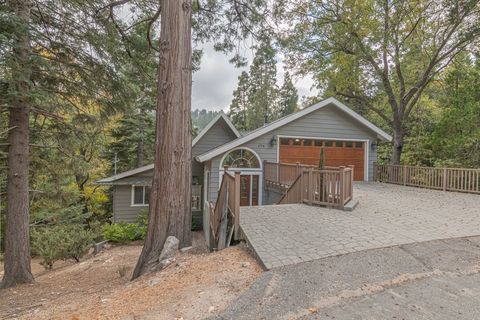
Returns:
(387, 215)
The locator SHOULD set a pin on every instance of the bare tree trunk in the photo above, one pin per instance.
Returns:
(170, 207)
(398, 141)
(17, 237)
(141, 143)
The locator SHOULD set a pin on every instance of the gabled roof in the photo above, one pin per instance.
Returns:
(290, 118)
(220, 115)
(125, 174)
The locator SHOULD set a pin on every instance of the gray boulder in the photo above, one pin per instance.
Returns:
(169, 250)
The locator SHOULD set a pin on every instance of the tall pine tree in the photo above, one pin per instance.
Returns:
(255, 99)
(263, 89)
(240, 102)
(288, 97)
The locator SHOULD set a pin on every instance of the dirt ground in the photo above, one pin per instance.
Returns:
(196, 286)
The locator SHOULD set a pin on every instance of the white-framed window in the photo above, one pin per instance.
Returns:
(241, 158)
(140, 196)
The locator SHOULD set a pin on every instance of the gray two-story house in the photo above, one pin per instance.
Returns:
(345, 137)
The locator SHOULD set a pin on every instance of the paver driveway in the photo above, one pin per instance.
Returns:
(387, 215)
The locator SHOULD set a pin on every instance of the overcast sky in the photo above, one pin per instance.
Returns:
(214, 83)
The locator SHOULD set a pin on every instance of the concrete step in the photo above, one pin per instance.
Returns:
(352, 204)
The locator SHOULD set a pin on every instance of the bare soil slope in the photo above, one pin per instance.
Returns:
(197, 285)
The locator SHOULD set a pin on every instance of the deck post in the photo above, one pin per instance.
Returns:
(444, 180)
(302, 187)
(237, 205)
(341, 187)
(352, 178)
(404, 175)
(310, 186)
(222, 235)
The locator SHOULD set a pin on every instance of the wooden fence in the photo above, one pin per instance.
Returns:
(446, 179)
(225, 215)
(331, 188)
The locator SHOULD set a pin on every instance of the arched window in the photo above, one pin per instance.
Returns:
(241, 158)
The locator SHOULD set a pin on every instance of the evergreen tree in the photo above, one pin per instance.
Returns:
(54, 60)
(263, 90)
(456, 137)
(134, 137)
(200, 118)
(240, 102)
(288, 97)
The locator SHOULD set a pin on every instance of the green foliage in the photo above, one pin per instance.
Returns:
(61, 243)
(257, 98)
(142, 223)
(200, 118)
(74, 214)
(263, 89)
(321, 161)
(240, 102)
(123, 232)
(288, 97)
(456, 137)
(381, 57)
(120, 232)
(133, 138)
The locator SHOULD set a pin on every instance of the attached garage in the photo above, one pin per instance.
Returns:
(335, 152)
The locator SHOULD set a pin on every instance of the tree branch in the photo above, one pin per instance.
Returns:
(111, 6)
(149, 28)
(368, 103)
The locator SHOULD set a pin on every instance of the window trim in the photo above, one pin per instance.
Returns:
(260, 164)
(132, 202)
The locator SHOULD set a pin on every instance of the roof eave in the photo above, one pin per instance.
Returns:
(220, 115)
(237, 142)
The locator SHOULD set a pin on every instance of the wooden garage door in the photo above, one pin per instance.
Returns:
(336, 153)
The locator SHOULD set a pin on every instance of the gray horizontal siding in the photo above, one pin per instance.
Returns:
(122, 205)
(218, 134)
(124, 211)
(327, 122)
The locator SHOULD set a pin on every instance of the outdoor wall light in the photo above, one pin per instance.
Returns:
(273, 141)
(374, 145)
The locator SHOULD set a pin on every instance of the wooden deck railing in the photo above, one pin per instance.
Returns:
(282, 175)
(446, 179)
(225, 215)
(330, 187)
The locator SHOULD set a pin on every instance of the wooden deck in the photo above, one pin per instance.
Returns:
(446, 179)
(331, 186)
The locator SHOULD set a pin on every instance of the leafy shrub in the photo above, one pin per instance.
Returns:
(122, 232)
(61, 242)
(142, 222)
(79, 243)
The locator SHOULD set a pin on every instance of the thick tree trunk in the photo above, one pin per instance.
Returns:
(397, 149)
(170, 207)
(17, 237)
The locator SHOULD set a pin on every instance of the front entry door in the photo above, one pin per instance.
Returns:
(249, 190)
